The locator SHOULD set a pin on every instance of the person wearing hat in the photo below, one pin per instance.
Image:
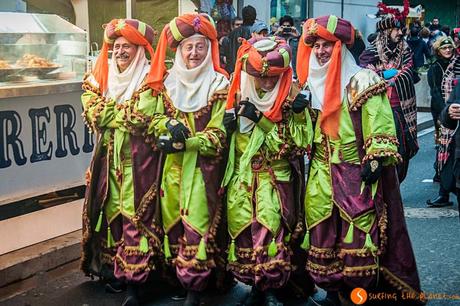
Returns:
(270, 132)
(356, 234)
(191, 104)
(444, 51)
(391, 58)
(120, 212)
(259, 29)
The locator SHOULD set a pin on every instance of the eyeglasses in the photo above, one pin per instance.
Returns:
(446, 48)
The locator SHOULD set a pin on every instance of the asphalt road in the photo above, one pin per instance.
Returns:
(435, 234)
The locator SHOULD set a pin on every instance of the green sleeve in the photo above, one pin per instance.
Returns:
(150, 110)
(298, 133)
(301, 129)
(210, 141)
(379, 132)
(99, 112)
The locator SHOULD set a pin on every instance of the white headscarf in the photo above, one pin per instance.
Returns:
(317, 76)
(122, 85)
(249, 91)
(191, 89)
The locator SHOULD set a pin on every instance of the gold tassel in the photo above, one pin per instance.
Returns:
(201, 254)
(349, 236)
(306, 241)
(272, 248)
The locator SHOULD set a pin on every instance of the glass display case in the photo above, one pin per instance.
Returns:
(40, 48)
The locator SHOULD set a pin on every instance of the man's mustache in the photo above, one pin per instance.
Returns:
(123, 55)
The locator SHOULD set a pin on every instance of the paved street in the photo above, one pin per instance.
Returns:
(434, 232)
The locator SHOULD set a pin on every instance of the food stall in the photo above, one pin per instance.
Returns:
(44, 145)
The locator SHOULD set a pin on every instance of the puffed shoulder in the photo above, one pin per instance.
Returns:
(364, 85)
(90, 83)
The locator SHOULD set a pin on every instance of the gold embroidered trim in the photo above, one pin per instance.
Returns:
(370, 92)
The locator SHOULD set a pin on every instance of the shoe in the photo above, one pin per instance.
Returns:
(193, 298)
(254, 298)
(131, 298)
(180, 296)
(271, 299)
(115, 286)
(440, 201)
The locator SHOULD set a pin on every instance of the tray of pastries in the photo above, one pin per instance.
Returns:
(6, 70)
(34, 65)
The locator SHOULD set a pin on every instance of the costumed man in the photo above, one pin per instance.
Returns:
(271, 131)
(390, 57)
(188, 120)
(356, 232)
(121, 236)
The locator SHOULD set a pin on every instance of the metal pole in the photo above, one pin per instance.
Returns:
(130, 9)
(341, 8)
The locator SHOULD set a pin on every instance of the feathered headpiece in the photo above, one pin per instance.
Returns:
(385, 10)
(391, 17)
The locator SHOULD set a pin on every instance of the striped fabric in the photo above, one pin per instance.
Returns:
(449, 80)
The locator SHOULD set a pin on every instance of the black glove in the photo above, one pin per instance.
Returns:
(300, 103)
(179, 132)
(229, 122)
(371, 171)
(250, 111)
(169, 146)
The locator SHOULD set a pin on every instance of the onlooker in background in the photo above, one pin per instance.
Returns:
(443, 48)
(259, 29)
(244, 31)
(224, 42)
(425, 34)
(289, 32)
(445, 29)
(358, 47)
(435, 24)
(237, 22)
(419, 48)
(274, 25)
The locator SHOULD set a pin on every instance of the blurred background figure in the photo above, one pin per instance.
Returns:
(289, 32)
(259, 29)
(443, 49)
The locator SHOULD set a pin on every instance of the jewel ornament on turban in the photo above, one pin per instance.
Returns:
(329, 92)
(173, 34)
(136, 32)
(263, 57)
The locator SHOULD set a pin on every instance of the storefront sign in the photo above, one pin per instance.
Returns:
(44, 145)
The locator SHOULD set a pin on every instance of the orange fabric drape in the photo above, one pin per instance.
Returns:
(101, 68)
(275, 113)
(155, 80)
(330, 116)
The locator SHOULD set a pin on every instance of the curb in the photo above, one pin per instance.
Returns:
(24, 264)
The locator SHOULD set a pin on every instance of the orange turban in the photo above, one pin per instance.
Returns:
(173, 33)
(333, 29)
(271, 62)
(135, 31)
